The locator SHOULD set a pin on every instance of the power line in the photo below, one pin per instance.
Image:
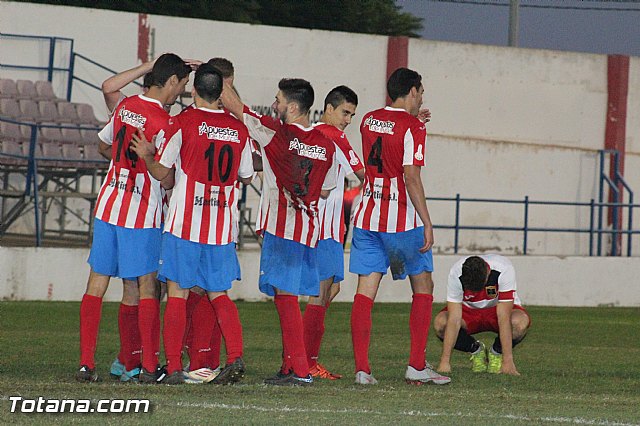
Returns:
(541, 6)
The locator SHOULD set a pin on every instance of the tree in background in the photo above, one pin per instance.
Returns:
(382, 17)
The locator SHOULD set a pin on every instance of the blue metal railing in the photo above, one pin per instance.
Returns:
(616, 187)
(526, 228)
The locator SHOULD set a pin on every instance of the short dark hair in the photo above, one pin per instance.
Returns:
(401, 82)
(474, 273)
(223, 65)
(340, 94)
(299, 91)
(167, 65)
(147, 80)
(208, 82)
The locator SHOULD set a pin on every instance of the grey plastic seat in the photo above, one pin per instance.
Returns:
(29, 111)
(49, 111)
(8, 89)
(67, 113)
(44, 91)
(10, 108)
(26, 90)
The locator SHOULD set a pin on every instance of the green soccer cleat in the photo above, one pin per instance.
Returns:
(479, 360)
(495, 362)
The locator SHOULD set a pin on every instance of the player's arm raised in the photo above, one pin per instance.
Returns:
(504, 310)
(111, 87)
(454, 322)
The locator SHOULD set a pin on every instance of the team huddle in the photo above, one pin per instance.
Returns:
(188, 239)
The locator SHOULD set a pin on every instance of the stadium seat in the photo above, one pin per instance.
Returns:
(71, 135)
(49, 111)
(26, 90)
(91, 153)
(9, 108)
(49, 154)
(10, 132)
(8, 89)
(29, 111)
(44, 92)
(72, 151)
(67, 113)
(12, 148)
(90, 136)
(50, 134)
(86, 115)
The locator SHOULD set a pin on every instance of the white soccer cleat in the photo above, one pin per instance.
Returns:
(201, 375)
(428, 375)
(363, 378)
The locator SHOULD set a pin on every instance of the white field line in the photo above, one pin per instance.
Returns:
(411, 413)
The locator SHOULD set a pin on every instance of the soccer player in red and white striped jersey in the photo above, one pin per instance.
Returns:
(210, 151)
(299, 167)
(481, 296)
(128, 216)
(392, 227)
(339, 108)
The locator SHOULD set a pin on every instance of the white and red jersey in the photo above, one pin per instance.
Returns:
(391, 139)
(332, 209)
(130, 197)
(500, 287)
(298, 163)
(210, 149)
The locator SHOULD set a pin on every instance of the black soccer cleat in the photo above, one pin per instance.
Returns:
(231, 373)
(87, 375)
(152, 378)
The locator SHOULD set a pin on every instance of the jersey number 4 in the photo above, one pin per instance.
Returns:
(375, 155)
(226, 152)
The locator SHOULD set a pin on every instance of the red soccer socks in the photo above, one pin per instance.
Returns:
(149, 324)
(292, 334)
(130, 347)
(313, 323)
(361, 331)
(229, 322)
(203, 323)
(90, 313)
(419, 323)
(175, 319)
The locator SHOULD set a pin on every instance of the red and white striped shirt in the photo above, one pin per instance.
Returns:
(500, 287)
(210, 150)
(130, 197)
(391, 139)
(348, 162)
(298, 163)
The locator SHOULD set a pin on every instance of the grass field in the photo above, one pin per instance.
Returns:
(578, 366)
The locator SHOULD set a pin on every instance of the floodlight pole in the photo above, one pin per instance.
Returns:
(513, 22)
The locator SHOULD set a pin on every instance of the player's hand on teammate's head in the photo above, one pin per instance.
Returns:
(193, 63)
(424, 115)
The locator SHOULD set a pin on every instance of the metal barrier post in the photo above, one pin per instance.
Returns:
(600, 201)
(72, 64)
(457, 223)
(591, 219)
(526, 223)
(52, 52)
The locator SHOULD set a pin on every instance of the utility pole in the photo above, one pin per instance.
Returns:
(513, 22)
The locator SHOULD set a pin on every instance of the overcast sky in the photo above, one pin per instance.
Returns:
(580, 30)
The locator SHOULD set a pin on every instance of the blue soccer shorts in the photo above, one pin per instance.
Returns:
(211, 267)
(288, 266)
(124, 252)
(330, 260)
(377, 251)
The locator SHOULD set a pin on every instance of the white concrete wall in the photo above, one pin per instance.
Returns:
(506, 122)
(61, 274)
